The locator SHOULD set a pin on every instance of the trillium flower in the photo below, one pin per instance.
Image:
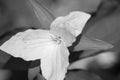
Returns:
(50, 46)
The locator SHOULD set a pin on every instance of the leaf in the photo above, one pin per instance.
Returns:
(82, 75)
(42, 13)
(87, 43)
(33, 72)
(40, 77)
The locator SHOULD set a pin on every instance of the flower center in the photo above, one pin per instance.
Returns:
(57, 39)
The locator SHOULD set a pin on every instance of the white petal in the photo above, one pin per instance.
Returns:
(29, 45)
(55, 67)
(74, 22)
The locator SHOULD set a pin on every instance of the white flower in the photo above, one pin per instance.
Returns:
(48, 45)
